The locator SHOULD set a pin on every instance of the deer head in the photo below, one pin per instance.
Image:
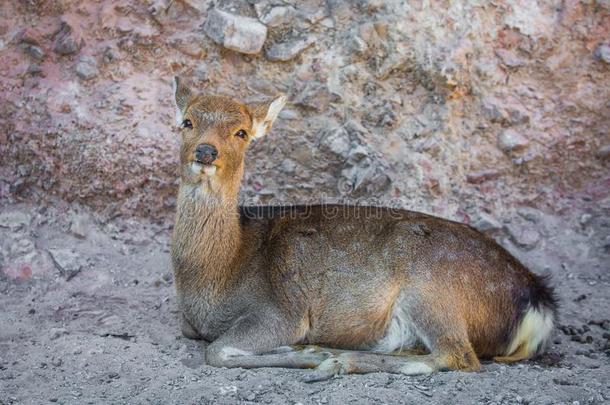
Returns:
(216, 131)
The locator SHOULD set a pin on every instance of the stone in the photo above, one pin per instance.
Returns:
(337, 142)
(286, 51)
(313, 95)
(517, 116)
(66, 42)
(529, 214)
(34, 51)
(238, 33)
(56, 333)
(277, 16)
(67, 261)
(485, 222)
(34, 69)
(508, 58)
(14, 220)
(492, 111)
(111, 55)
(22, 247)
(79, 226)
(510, 140)
(522, 235)
(288, 114)
(86, 68)
(359, 46)
(602, 52)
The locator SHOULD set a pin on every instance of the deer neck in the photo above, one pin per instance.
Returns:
(206, 242)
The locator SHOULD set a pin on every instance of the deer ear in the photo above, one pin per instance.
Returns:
(264, 115)
(182, 96)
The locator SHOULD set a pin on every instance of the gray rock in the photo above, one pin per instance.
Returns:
(485, 222)
(68, 262)
(86, 68)
(22, 247)
(241, 34)
(34, 69)
(111, 54)
(288, 166)
(313, 95)
(286, 51)
(359, 46)
(288, 114)
(523, 236)
(276, 16)
(509, 58)
(79, 226)
(336, 141)
(66, 42)
(492, 111)
(530, 214)
(34, 51)
(511, 140)
(585, 219)
(517, 116)
(56, 333)
(14, 220)
(602, 52)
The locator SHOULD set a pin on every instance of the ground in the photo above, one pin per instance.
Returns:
(89, 316)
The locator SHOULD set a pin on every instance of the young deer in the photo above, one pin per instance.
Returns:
(378, 291)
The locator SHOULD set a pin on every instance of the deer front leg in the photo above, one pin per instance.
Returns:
(247, 344)
(187, 329)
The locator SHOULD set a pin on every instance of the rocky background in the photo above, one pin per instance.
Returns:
(458, 108)
(494, 113)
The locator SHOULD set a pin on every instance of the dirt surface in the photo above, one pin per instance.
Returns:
(89, 316)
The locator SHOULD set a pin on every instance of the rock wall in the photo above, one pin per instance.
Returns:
(468, 109)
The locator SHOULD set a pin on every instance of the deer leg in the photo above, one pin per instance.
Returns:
(260, 341)
(187, 330)
(365, 362)
(445, 338)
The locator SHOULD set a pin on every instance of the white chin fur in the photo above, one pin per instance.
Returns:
(198, 168)
(209, 170)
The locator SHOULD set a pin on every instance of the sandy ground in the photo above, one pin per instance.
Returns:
(88, 315)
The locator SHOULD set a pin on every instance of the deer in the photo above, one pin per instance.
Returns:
(330, 287)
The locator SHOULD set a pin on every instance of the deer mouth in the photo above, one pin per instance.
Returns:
(198, 167)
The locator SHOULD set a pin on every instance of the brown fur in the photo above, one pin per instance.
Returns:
(270, 277)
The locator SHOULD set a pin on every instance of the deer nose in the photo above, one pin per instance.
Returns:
(206, 153)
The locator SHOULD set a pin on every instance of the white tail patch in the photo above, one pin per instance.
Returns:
(533, 333)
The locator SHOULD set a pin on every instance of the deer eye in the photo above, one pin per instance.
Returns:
(186, 124)
(242, 134)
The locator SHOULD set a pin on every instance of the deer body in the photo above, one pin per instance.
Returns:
(364, 282)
